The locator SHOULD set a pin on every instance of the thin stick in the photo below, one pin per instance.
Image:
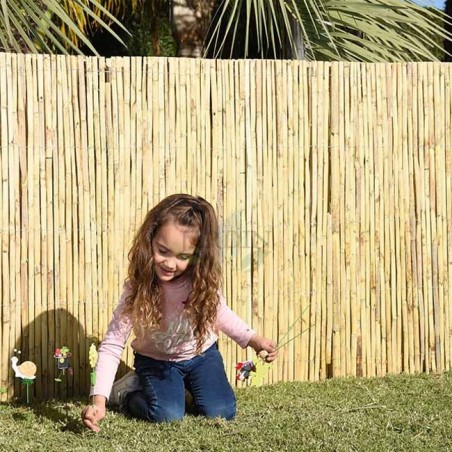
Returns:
(297, 335)
(298, 319)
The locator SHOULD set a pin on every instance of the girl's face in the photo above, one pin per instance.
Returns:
(173, 247)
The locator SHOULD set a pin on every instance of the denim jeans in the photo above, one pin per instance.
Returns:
(162, 397)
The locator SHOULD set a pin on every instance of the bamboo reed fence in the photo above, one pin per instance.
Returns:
(332, 182)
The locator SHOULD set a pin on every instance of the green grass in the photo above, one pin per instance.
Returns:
(395, 413)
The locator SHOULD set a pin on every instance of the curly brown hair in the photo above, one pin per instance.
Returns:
(143, 304)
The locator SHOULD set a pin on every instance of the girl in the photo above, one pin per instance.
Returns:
(172, 301)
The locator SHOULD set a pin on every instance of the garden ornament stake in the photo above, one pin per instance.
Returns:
(255, 371)
(26, 371)
(62, 356)
(92, 362)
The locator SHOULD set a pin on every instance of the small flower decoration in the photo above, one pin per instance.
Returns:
(93, 355)
(62, 356)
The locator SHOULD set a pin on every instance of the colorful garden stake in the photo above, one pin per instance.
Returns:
(62, 356)
(244, 370)
(26, 371)
(255, 372)
(92, 362)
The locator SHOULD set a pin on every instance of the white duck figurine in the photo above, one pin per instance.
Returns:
(26, 370)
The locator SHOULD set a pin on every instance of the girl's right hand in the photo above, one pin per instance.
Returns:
(92, 415)
(262, 344)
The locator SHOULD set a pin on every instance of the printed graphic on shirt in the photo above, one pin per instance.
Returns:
(179, 331)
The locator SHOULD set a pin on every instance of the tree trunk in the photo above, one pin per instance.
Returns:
(191, 19)
(298, 51)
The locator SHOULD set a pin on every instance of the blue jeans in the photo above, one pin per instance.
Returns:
(164, 382)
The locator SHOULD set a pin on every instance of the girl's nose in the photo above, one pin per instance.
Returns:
(170, 264)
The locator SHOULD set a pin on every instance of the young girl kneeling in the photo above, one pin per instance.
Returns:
(172, 300)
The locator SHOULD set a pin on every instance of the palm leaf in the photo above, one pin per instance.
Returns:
(358, 30)
(31, 36)
(402, 30)
(91, 14)
(28, 25)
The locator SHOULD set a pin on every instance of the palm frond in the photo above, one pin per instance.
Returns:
(38, 26)
(357, 30)
(387, 30)
(270, 18)
(89, 15)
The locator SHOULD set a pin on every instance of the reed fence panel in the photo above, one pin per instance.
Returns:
(332, 183)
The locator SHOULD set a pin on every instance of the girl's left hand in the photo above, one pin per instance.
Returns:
(259, 343)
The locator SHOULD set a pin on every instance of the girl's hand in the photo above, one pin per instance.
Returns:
(259, 344)
(93, 414)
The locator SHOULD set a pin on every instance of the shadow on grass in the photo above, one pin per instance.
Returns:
(63, 414)
(55, 395)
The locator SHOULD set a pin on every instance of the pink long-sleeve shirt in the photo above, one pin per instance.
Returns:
(172, 340)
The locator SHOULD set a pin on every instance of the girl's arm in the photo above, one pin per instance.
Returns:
(239, 331)
(110, 350)
(232, 325)
(109, 355)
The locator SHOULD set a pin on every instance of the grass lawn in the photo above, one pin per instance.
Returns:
(395, 413)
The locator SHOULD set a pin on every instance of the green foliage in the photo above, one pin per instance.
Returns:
(167, 43)
(381, 414)
(141, 40)
(150, 32)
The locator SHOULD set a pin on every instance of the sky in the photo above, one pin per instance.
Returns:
(437, 3)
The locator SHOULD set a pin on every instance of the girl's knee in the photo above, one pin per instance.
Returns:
(140, 408)
(225, 411)
(165, 414)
